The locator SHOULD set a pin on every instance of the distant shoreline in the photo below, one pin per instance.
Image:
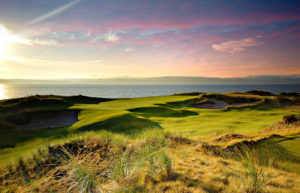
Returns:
(166, 80)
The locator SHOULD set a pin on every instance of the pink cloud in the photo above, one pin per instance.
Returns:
(235, 45)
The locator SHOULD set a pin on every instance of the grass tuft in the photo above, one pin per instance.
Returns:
(254, 178)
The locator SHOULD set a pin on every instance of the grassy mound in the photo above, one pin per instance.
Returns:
(161, 112)
(102, 164)
(260, 93)
(39, 100)
(33, 102)
(189, 94)
(237, 100)
(185, 103)
(46, 102)
(36, 112)
(19, 111)
(232, 98)
(127, 123)
(294, 94)
(276, 150)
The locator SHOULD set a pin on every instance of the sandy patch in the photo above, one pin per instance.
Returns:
(217, 104)
(51, 119)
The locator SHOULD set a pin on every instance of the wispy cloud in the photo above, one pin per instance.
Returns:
(88, 34)
(128, 49)
(9, 37)
(235, 45)
(108, 37)
(111, 37)
(45, 42)
(54, 12)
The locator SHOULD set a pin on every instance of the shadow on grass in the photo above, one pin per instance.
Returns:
(270, 152)
(21, 111)
(273, 149)
(127, 124)
(162, 112)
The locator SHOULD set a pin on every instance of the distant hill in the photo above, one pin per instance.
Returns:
(166, 80)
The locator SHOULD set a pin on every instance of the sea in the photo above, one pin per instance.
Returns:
(8, 91)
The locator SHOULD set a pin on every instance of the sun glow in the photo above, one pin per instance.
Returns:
(6, 38)
(3, 42)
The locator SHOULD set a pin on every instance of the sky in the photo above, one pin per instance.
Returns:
(54, 39)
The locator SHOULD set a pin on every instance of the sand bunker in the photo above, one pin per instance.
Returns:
(213, 103)
(51, 119)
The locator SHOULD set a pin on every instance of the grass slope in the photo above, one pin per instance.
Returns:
(162, 112)
(133, 118)
(121, 114)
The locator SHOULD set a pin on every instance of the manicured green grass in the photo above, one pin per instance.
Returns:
(219, 121)
(170, 113)
(292, 145)
(126, 123)
(162, 112)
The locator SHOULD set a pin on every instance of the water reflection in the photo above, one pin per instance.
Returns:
(127, 91)
(2, 94)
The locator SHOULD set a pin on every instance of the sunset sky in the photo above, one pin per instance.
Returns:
(51, 39)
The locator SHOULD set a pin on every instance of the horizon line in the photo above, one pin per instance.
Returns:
(149, 77)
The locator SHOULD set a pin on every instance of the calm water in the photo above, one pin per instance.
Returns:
(129, 91)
